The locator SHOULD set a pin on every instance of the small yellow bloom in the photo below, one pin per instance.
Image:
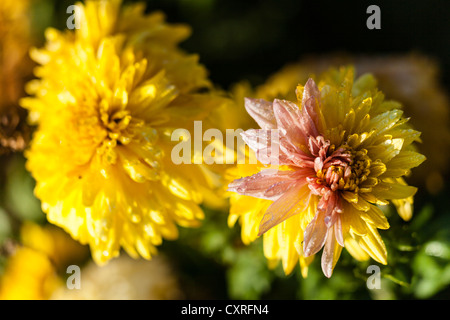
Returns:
(33, 270)
(107, 98)
(56, 244)
(29, 275)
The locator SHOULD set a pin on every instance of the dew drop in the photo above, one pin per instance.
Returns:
(135, 218)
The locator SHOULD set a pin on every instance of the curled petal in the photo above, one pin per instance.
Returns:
(375, 217)
(318, 146)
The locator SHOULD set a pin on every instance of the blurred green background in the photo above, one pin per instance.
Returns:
(251, 40)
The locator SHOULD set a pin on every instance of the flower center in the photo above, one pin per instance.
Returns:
(337, 169)
(115, 123)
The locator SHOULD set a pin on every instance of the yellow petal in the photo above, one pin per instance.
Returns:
(355, 249)
(386, 190)
(376, 217)
(404, 207)
(401, 163)
(374, 245)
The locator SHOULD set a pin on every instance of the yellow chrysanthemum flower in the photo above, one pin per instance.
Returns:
(341, 151)
(107, 98)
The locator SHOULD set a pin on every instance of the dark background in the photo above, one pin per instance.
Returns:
(251, 39)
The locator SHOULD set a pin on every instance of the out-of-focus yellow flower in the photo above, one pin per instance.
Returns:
(125, 279)
(56, 244)
(29, 275)
(342, 150)
(34, 268)
(107, 98)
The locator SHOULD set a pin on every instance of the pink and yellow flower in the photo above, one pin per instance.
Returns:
(331, 159)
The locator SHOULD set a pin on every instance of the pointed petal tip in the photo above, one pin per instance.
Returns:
(310, 82)
(234, 183)
(248, 100)
(327, 272)
(262, 229)
(306, 252)
(265, 225)
(311, 87)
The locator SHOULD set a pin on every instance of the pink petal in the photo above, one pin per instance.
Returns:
(338, 158)
(331, 253)
(315, 234)
(328, 254)
(333, 208)
(310, 105)
(258, 184)
(262, 112)
(318, 146)
(310, 91)
(272, 147)
(277, 189)
(303, 173)
(293, 154)
(265, 143)
(288, 117)
(309, 118)
(299, 176)
(292, 202)
(257, 138)
(318, 164)
(338, 231)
